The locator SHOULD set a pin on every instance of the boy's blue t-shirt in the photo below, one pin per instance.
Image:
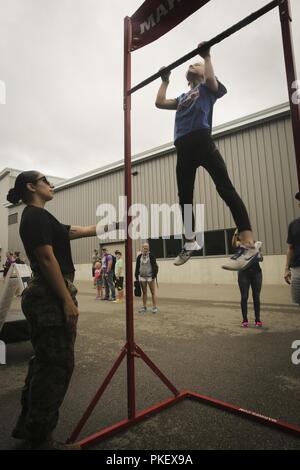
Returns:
(195, 109)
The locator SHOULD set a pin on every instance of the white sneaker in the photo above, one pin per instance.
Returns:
(243, 259)
(186, 253)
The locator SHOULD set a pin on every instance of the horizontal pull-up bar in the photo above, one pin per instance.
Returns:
(241, 24)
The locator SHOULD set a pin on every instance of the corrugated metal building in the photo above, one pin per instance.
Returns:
(260, 157)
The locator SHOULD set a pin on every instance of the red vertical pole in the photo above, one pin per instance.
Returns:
(128, 194)
(286, 19)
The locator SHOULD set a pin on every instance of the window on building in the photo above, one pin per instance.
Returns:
(13, 219)
(198, 253)
(215, 243)
(157, 247)
(173, 247)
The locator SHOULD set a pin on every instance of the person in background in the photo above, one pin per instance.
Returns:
(108, 275)
(95, 259)
(119, 273)
(292, 267)
(146, 270)
(251, 276)
(98, 280)
(10, 259)
(18, 259)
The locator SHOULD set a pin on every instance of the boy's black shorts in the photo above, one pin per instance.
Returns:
(119, 283)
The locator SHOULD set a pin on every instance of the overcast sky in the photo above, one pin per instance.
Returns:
(62, 64)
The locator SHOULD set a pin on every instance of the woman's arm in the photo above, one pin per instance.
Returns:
(76, 231)
(51, 272)
(161, 101)
(210, 78)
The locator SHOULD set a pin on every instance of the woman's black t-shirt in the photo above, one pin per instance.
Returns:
(39, 227)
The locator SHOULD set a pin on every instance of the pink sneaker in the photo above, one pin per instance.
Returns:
(258, 324)
(245, 324)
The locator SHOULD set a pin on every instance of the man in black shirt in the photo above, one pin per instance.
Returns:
(292, 268)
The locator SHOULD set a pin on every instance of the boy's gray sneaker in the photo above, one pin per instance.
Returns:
(243, 259)
(186, 253)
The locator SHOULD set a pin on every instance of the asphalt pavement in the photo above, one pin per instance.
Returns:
(196, 339)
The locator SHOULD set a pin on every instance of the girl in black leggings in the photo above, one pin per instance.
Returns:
(249, 277)
(195, 147)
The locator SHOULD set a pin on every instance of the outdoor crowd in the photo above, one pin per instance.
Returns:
(108, 276)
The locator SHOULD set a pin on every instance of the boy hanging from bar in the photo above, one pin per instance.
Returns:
(195, 147)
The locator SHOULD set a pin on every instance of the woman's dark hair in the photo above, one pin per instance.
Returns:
(18, 192)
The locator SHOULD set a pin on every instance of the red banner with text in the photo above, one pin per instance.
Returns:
(155, 18)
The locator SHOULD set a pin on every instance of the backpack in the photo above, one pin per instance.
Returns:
(137, 289)
(114, 260)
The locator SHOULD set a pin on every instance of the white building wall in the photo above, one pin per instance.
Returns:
(7, 178)
(203, 271)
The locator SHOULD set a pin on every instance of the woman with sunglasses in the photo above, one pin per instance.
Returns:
(50, 306)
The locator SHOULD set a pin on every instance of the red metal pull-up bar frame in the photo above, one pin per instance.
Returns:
(131, 351)
(212, 42)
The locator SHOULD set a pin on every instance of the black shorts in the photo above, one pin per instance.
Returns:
(119, 283)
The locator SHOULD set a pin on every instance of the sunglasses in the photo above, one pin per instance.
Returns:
(44, 179)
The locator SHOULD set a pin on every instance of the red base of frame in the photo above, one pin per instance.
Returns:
(148, 412)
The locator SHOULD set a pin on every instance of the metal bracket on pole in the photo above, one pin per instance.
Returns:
(285, 12)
